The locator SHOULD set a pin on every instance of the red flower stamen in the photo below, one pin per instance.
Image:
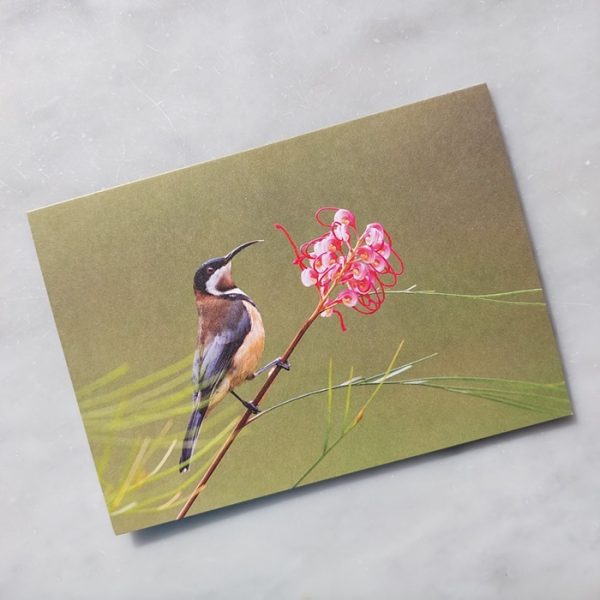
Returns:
(292, 243)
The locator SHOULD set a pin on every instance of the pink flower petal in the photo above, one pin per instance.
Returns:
(374, 235)
(321, 246)
(348, 297)
(308, 277)
(334, 245)
(362, 286)
(366, 254)
(385, 250)
(379, 263)
(359, 270)
(324, 261)
(341, 232)
(344, 217)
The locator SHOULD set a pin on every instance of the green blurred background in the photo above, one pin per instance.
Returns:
(119, 265)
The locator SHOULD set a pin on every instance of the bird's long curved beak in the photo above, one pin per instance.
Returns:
(239, 249)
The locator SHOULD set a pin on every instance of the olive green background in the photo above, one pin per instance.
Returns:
(118, 266)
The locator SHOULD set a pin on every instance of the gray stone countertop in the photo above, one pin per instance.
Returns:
(99, 93)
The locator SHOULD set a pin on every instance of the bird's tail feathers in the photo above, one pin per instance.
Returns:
(191, 435)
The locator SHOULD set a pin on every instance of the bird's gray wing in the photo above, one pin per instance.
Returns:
(215, 353)
(222, 335)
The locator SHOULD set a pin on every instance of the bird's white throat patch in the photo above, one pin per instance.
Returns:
(212, 284)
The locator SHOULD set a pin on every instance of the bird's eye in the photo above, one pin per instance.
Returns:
(210, 270)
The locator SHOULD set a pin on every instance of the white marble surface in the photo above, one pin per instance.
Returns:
(101, 92)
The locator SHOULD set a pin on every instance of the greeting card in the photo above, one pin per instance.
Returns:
(340, 300)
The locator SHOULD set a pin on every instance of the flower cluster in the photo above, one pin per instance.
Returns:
(358, 267)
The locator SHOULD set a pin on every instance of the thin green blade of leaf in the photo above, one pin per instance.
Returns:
(383, 379)
(384, 376)
(356, 381)
(348, 396)
(525, 395)
(329, 404)
(103, 381)
(351, 380)
(498, 297)
(142, 382)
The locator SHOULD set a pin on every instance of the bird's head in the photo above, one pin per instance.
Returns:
(213, 277)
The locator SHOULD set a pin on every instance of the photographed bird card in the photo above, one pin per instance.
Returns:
(322, 305)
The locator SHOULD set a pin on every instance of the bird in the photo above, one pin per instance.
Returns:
(229, 344)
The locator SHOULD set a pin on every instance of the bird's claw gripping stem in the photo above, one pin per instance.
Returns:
(282, 364)
(251, 407)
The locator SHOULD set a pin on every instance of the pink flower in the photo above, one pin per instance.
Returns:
(341, 232)
(385, 250)
(366, 254)
(323, 245)
(374, 236)
(344, 217)
(309, 277)
(362, 286)
(323, 261)
(347, 297)
(359, 270)
(340, 257)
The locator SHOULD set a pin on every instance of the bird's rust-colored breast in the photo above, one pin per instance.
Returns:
(213, 312)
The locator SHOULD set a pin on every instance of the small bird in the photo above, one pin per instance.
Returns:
(229, 346)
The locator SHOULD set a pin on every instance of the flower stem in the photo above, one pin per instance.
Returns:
(245, 418)
(325, 452)
(493, 297)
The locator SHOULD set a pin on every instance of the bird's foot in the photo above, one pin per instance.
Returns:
(278, 362)
(282, 364)
(251, 407)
